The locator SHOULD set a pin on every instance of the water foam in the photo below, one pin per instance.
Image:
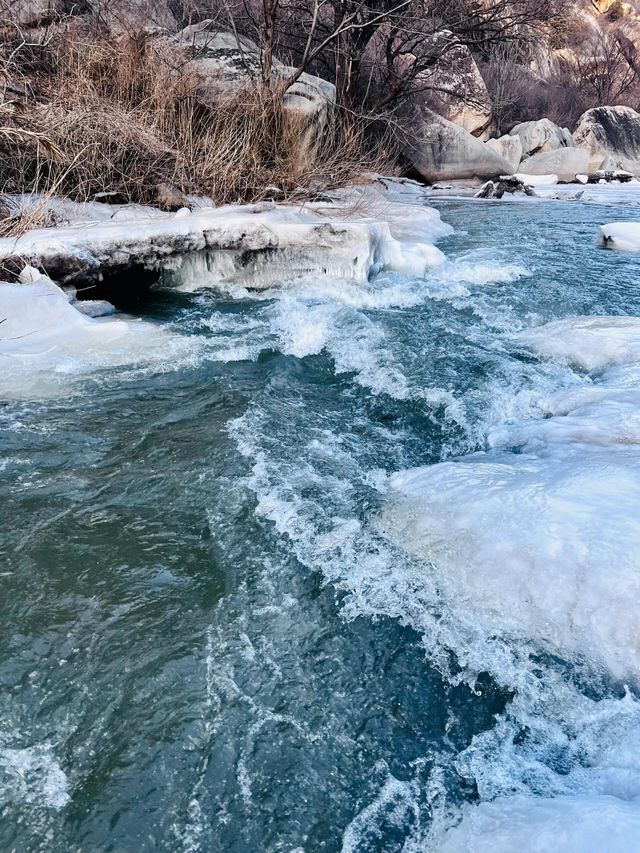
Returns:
(33, 775)
(537, 553)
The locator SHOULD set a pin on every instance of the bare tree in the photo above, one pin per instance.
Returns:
(605, 70)
(379, 52)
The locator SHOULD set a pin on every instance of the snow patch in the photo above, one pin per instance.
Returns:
(45, 342)
(537, 180)
(620, 236)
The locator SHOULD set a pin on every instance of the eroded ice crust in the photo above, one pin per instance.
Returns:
(571, 824)
(543, 549)
(589, 342)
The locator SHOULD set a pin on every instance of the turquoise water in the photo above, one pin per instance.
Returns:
(206, 640)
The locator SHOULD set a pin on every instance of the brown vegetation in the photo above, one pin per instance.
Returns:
(89, 105)
(595, 71)
(103, 111)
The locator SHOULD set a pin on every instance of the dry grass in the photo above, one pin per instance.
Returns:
(115, 115)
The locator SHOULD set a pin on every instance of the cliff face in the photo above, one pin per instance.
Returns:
(588, 56)
(596, 36)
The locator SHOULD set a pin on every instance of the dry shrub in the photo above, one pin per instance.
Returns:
(117, 115)
(519, 95)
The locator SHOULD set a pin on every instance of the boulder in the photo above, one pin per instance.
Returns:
(223, 62)
(540, 136)
(566, 163)
(509, 148)
(603, 177)
(510, 184)
(440, 150)
(36, 14)
(611, 138)
(603, 6)
(454, 88)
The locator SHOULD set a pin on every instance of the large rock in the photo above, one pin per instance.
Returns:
(223, 62)
(441, 151)
(540, 136)
(455, 88)
(18, 15)
(611, 138)
(603, 6)
(220, 59)
(566, 163)
(509, 148)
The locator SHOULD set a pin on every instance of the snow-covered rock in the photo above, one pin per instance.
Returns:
(621, 236)
(509, 184)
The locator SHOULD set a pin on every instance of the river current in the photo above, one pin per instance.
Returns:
(338, 567)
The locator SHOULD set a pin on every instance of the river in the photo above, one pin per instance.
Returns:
(352, 568)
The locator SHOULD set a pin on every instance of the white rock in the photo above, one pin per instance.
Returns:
(454, 88)
(508, 147)
(94, 307)
(440, 150)
(611, 138)
(563, 162)
(224, 62)
(542, 135)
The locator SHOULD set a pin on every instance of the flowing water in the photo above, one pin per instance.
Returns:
(235, 618)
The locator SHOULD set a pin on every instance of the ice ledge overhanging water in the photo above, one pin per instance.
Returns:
(352, 237)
